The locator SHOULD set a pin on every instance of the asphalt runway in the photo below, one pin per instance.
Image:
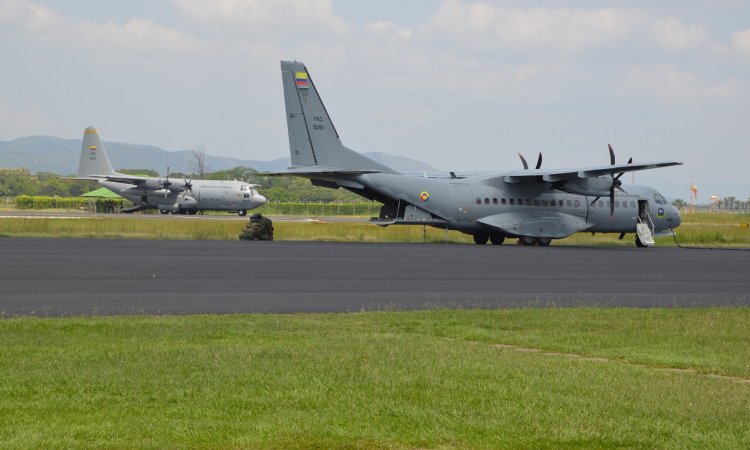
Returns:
(54, 277)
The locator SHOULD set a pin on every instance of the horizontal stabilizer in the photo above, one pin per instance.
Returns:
(89, 179)
(316, 171)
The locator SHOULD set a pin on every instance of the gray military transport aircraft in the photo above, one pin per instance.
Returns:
(534, 205)
(162, 193)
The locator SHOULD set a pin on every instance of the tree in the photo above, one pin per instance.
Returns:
(15, 182)
(730, 201)
(679, 204)
(199, 160)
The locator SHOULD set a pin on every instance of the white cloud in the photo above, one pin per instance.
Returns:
(265, 17)
(674, 36)
(486, 27)
(39, 24)
(531, 81)
(677, 86)
(741, 42)
(388, 30)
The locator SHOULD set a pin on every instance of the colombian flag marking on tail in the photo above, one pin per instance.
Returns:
(93, 148)
(302, 79)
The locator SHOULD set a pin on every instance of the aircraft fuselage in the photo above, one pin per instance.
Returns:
(214, 195)
(475, 204)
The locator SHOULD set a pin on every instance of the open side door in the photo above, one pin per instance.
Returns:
(644, 227)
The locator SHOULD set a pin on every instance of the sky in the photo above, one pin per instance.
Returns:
(461, 85)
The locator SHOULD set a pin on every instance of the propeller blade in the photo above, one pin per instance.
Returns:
(611, 203)
(523, 160)
(592, 203)
(539, 162)
(611, 154)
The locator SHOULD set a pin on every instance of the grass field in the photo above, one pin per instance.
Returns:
(701, 230)
(438, 379)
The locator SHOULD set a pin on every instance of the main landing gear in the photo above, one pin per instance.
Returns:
(497, 239)
(528, 241)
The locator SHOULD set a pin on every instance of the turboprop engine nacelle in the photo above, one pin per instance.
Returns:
(158, 184)
(595, 186)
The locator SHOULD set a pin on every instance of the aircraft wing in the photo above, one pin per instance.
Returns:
(551, 176)
(313, 171)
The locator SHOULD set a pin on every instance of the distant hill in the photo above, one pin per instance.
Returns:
(51, 154)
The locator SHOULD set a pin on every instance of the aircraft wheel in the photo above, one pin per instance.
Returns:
(481, 238)
(638, 242)
(497, 239)
(164, 211)
(527, 241)
(242, 212)
(544, 241)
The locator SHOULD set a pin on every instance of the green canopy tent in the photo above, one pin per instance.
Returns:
(101, 193)
(107, 201)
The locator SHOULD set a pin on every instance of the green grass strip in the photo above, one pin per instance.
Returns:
(381, 380)
(164, 228)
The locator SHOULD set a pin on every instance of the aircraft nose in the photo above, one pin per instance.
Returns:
(677, 218)
(261, 200)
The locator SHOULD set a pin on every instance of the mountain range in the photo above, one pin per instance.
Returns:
(61, 156)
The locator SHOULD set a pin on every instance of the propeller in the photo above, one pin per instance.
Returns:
(526, 165)
(166, 183)
(523, 160)
(188, 185)
(616, 184)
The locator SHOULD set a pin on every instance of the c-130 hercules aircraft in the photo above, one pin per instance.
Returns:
(163, 194)
(535, 205)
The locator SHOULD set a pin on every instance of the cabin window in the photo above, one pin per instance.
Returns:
(617, 204)
(479, 201)
(544, 202)
(601, 204)
(512, 202)
(570, 203)
(632, 205)
(560, 203)
(520, 201)
(486, 201)
(536, 202)
(609, 204)
(502, 200)
(494, 201)
(578, 203)
(528, 202)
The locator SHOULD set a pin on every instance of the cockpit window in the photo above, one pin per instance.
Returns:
(659, 199)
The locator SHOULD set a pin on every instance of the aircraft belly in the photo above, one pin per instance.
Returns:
(556, 226)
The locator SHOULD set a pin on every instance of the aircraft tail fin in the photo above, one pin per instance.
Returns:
(94, 159)
(313, 140)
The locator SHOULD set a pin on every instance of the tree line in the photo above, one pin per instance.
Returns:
(16, 182)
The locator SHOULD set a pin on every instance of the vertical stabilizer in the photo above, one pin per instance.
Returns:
(313, 140)
(94, 159)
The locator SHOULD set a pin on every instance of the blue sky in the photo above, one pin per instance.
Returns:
(462, 85)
